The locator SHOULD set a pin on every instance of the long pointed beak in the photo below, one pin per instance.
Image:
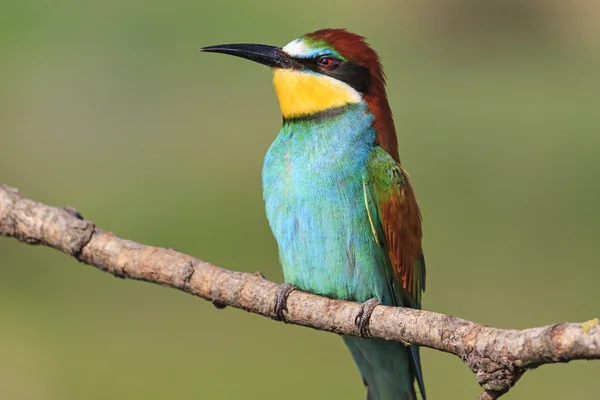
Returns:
(268, 55)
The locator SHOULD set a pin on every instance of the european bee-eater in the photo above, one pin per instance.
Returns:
(339, 203)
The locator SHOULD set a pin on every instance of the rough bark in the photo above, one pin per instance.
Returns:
(498, 357)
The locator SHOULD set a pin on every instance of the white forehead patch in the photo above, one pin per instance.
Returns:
(296, 48)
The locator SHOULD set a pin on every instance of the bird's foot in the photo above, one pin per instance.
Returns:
(281, 295)
(218, 305)
(364, 316)
(73, 212)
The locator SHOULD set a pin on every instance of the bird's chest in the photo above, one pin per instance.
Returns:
(310, 182)
(312, 172)
(312, 186)
(318, 161)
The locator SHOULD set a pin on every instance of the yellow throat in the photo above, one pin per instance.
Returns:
(301, 93)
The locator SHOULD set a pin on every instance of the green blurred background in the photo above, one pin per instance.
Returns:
(107, 106)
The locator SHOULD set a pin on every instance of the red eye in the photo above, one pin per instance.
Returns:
(327, 63)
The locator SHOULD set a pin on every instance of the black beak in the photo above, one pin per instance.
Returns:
(268, 55)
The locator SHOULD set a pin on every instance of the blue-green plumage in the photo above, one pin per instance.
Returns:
(313, 185)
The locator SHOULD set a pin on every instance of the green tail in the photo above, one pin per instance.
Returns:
(386, 367)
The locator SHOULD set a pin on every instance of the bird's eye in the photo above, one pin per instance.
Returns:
(327, 63)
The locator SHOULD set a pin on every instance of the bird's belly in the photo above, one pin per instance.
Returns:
(326, 245)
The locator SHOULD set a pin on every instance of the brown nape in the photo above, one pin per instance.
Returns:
(355, 49)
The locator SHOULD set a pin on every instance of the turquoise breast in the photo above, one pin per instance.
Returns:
(315, 204)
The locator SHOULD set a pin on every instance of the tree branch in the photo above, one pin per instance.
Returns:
(498, 357)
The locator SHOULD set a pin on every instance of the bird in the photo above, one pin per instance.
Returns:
(340, 205)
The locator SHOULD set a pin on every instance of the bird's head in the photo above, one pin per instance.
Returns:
(324, 70)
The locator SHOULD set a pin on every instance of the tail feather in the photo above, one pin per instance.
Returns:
(386, 368)
(370, 395)
(416, 357)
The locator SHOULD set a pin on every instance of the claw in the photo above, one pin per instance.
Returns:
(218, 306)
(73, 212)
(364, 316)
(283, 291)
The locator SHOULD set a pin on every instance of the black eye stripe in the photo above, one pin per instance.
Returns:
(350, 73)
(309, 63)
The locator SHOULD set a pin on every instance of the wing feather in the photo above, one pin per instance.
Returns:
(391, 202)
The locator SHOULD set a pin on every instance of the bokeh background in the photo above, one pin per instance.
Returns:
(107, 106)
